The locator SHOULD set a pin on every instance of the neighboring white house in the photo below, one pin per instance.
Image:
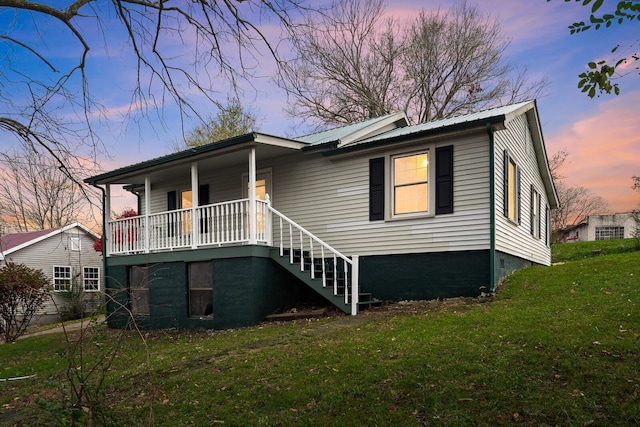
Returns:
(231, 231)
(66, 256)
(602, 227)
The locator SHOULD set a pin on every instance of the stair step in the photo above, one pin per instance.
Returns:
(333, 272)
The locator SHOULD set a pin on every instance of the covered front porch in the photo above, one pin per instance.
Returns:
(218, 196)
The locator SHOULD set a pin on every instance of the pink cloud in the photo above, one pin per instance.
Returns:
(604, 151)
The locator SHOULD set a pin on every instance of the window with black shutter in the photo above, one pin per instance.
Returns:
(376, 189)
(444, 180)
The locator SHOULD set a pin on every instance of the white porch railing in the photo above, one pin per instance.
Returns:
(215, 224)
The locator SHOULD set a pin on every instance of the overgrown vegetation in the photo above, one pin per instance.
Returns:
(556, 346)
(23, 291)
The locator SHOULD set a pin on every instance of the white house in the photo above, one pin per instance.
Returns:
(380, 210)
(66, 256)
(602, 227)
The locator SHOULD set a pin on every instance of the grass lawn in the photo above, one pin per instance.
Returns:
(555, 346)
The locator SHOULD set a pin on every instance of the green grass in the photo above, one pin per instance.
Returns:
(556, 346)
(580, 250)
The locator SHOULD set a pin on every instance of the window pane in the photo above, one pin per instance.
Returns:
(200, 289)
(139, 290)
(410, 183)
(410, 169)
(91, 278)
(512, 191)
(61, 278)
(411, 198)
(185, 199)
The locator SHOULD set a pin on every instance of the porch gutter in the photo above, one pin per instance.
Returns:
(492, 209)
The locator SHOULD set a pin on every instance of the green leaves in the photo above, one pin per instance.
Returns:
(599, 79)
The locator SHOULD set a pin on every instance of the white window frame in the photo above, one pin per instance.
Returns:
(513, 190)
(536, 206)
(88, 279)
(59, 280)
(390, 184)
(75, 244)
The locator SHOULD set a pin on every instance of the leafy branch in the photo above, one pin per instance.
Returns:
(600, 75)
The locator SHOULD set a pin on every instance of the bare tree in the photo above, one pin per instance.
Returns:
(179, 51)
(556, 162)
(349, 65)
(576, 205)
(232, 119)
(35, 194)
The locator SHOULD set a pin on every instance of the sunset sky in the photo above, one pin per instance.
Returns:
(602, 134)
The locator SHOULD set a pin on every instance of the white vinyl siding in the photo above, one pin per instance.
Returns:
(330, 197)
(512, 238)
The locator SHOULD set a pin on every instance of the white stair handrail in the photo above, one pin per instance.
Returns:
(349, 263)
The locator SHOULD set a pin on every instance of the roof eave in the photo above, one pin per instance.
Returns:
(496, 122)
(230, 143)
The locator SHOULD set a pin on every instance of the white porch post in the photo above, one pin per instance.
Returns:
(107, 220)
(253, 218)
(194, 205)
(355, 288)
(147, 212)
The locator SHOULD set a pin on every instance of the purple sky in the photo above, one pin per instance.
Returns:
(602, 135)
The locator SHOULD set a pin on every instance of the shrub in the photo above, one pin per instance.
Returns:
(23, 291)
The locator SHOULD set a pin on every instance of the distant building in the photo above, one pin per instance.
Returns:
(66, 256)
(601, 227)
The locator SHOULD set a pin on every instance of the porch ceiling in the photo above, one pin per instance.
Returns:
(177, 165)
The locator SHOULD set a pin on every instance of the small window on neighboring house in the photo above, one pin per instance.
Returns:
(91, 279)
(76, 244)
(608, 232)
(511, 188)
(536, 201)
(200, 289)
(139, 290)
(61, 278)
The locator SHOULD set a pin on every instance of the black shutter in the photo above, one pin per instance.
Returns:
(172, 200)
(376, 189)
(203, 195)
(505, 184)
(444, 180)
(203, 199)
(172, 205)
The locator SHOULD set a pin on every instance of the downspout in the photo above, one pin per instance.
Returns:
(492, 210)
(104, 240)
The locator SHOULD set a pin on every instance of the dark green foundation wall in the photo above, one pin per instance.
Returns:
(506, 264)
(425, 276)
(247, 286)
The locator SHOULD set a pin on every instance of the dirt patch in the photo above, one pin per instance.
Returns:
(425, 306)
